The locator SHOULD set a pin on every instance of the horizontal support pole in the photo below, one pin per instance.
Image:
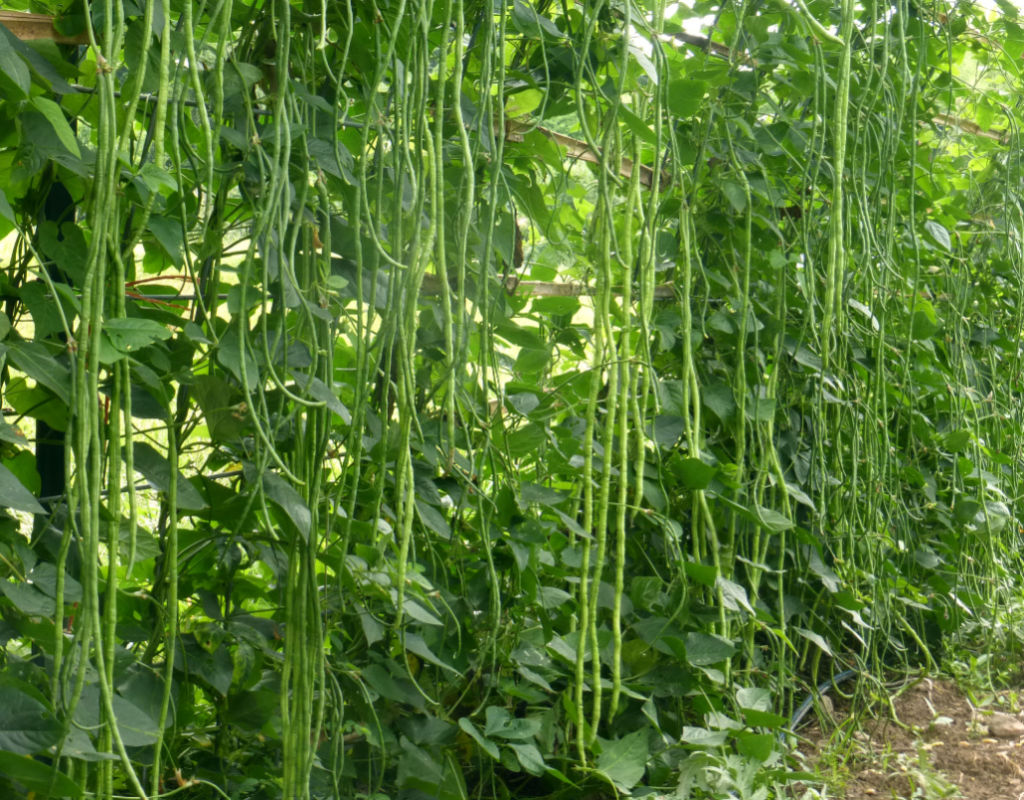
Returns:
(28, 27)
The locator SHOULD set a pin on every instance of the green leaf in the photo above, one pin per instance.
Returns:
(136, 727)
(290, 501)
(772, 520)
(637, 125)
(415, 644)
(816, 638)
(685, 97)
(5, 208)
(56, 118)
(529, 23)
(128, 334)
(319, 390)
(695, 473)
(734, 596)
(43, 576)
(764, 719)
(37, 777)
(758, 746)
(157, 470)
(38, 63)
(28, 600)
(704, 574)
(26, 725)
(69, 252)
(531, 759)
(502, 724)
(754, 698)
(486, 744)
(35, 361)
(925, 322)
(957, 440)
(704, 649)
(216, 668)
(219, 402)
(252, 710)
(434, 520)
(544, 495)
(169, 234)
(624, 761)
(386, 686)
(965, 510)
(13, 494)
(939, 233)
(155, 177)
(702, 737)
(719, 398)
(16, 80)
(229, 354)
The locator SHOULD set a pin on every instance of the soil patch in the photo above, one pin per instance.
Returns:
(940, 747)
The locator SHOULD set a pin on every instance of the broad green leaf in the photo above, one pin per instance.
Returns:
(502, 724)
(535, 493)
(136, 727)
(772, 520)
(56, 118)
(16, 79)
(169, 234)
(129, 334)
(290, 501)
(388, 687)
(623, 762)
(704, 649)
(758, 746)
(695, 473)
(155, 177)
(39, 64)
(26, 725)
(67, 246)
(817, 638)
(734, 596)
(938, 232)
(219, 403)
(719, 398)
(28, 600)
(5, 208)
(43, 575)
(319, 390)
(529, 756)
(704, 574)
(685, 97)
(252, 710)
(764, 719)
(157, 470)
(957, 440)
(39, 778)
(13, 494)
(530, 23)
(434, 520)
(35, 361)
(415, 644)
(216, 668)
(703, 737)
(753, 698)
(486, 744)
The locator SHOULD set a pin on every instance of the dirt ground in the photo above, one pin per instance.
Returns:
(940, 748)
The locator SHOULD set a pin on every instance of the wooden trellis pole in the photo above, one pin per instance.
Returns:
(37, 26)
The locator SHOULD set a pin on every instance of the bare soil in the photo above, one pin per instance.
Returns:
(939, 748)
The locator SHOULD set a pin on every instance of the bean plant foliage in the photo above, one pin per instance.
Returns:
(513, 399)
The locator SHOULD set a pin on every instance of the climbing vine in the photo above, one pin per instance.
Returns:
(448, 399)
